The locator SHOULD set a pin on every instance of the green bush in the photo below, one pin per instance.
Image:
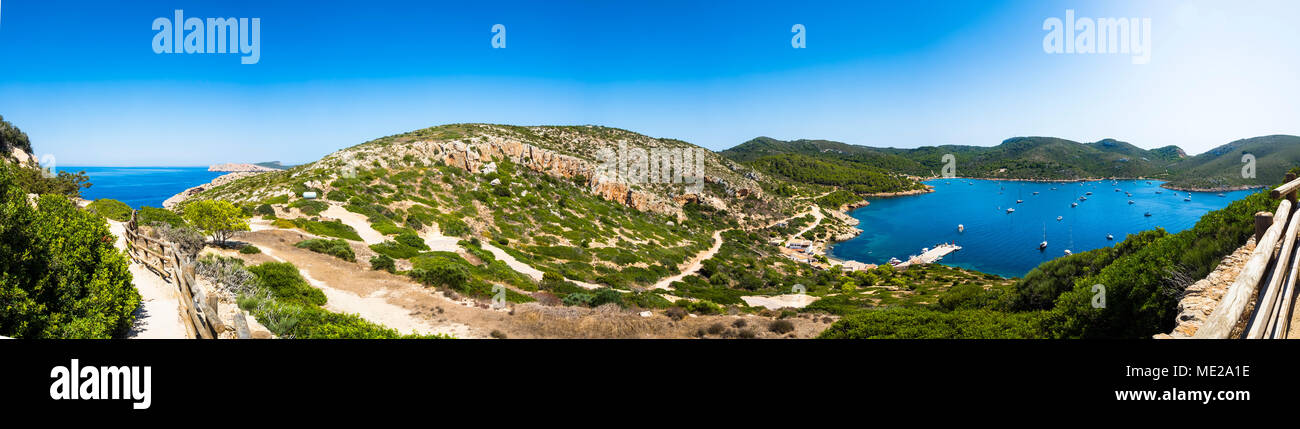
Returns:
(383, 262)
(578, 299)
(250, 250)
(332, 228)
(112, 209)
(265, 210)
(283, 280)
(440, 271)
(60, 276)
(335, 247)
(395, 250)
(149, 215)
(913, 323)
(606, 296)
(310, 207)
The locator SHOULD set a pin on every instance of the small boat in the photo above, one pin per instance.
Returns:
(1020, 201)
(961, 228)
(1116, 189)
(1220, 195)
(1110, 237)
(1187, 199)
(1036, 193)
(1058, 218)
(1130, 201)
(1083, 198)
(1067, 252)
(1147, 214)
(1160, 192)
(1128, 194)
(1087, 193)
(1042, 245)
(1053, 188)
(894, 261)
(1011, 210)
(1074, 204)
(1148, 183)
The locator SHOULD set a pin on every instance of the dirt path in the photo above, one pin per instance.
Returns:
(357, 222)
(159, 315)
(373, 305)
(817, 220)
(696, 263)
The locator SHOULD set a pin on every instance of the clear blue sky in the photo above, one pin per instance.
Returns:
(81, 79)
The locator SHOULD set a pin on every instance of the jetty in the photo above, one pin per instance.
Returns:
(930, 256)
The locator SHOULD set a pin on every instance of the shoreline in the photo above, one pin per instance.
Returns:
(1165, 185)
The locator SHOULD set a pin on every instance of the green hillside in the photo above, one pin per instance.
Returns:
(1046, 158)
(1221, 167)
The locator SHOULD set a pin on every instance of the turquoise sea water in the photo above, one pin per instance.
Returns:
(142, 186)
(1006, 244)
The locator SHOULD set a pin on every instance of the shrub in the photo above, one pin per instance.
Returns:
(111, 209)
(227, 273)
(411, 239)
(188, 240)
(283, 223)
(781, 326)
(578, 299)
(746, 334)
(250, 250)
(739, 323)
(675, 313)
(265, 210)
(606, 296)
(334, 247)
(219, 219)
(440, 271)
(395, 250)
(283, 281)
(151, 215)
(60, 276)
(382, 262)
(716, 329)
(310, 207)
(332, 228)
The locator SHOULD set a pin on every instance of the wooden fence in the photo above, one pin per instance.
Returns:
(1258, 304)
(198, 308)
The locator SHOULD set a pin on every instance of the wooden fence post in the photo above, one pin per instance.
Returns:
(1263, 220)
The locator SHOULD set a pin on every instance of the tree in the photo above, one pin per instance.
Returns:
(219, 219)
(60, 276)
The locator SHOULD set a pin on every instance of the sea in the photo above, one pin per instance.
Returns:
(142, 186)
(1007, 244)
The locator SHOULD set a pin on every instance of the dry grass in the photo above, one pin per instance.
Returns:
(606, 321)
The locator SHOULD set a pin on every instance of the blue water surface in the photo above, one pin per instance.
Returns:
(142, 186)
(1006, 244)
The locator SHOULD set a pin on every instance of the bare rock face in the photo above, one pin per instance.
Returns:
(23, 158)
(1200, 299)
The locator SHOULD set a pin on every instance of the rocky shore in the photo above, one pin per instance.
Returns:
(172, 202)
(1219, 189)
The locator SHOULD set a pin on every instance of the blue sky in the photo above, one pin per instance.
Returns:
(81, 79)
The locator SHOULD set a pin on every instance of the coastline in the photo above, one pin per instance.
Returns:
(1165, 185)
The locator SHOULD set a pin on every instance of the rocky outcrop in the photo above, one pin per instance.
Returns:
(1200, 299)
(238, 167)
(175, 200)
(22, 158)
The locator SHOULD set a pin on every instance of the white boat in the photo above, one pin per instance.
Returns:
(1067, 252)
(1058, 218)
(1042, 245)
(1074, 204)
(1011, 210)
(961, 228)
(1110, 237)
(1020, 201)
(1187, 198)
(1130, 201)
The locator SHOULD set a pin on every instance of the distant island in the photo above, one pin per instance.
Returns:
(245, 167)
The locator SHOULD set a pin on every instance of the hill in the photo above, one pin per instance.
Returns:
(1221, 167)
(1050, 158)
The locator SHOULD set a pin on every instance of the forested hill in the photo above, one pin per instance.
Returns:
(1049, 158)
(11, 137)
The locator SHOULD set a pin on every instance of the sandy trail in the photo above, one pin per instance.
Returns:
(159, 315)
(373, 307)
(817, 220)
(796, 300)
(357, 222)
(696, 263)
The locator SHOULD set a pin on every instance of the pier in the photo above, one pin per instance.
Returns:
(931, 256)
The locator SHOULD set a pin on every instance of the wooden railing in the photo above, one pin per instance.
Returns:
(1258, 304)
(198, 308)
